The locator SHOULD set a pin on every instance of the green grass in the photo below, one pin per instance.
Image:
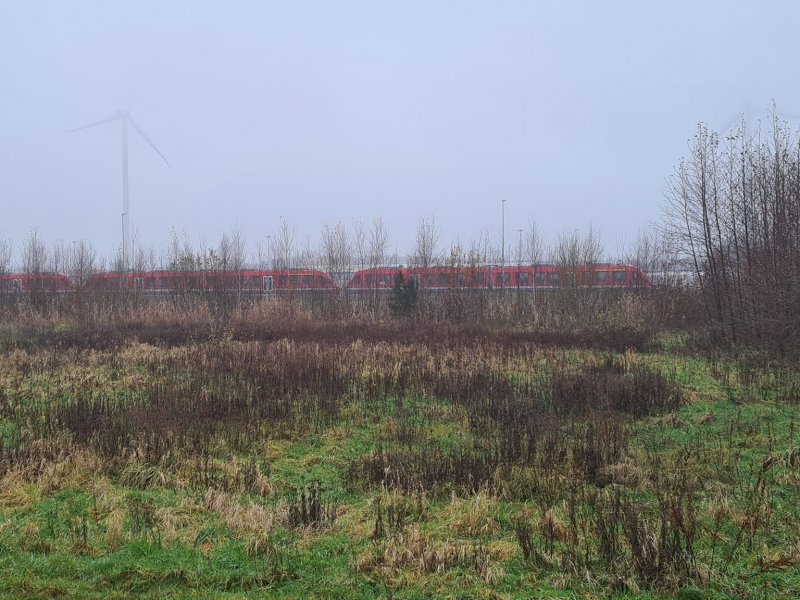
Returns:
(73, 532)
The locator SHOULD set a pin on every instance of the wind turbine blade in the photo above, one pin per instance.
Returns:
(147, 139)
(115, 117)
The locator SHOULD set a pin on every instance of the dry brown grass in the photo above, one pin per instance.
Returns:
(244, 517)
(17, 492)
(473, 516)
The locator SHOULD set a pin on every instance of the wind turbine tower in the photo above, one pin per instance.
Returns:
(125, 117)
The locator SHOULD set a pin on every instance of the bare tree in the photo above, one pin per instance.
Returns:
(58, 257)
(572, 250)
(238, 249)
(360, 244)
(224, 253)
(533, 251)
(181, 254)
(117, 261)
(378, 243)
(483, 250)
(137, 258)
(474, 255)
(143, 258)
(336, 250)
(654, 255)
(6, 252)
(733, 209)
(426, 242)
(82, 262)
(283, 247)
(34, 253)
(307, 254)
(456, 255)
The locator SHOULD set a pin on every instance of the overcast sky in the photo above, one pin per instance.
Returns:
(574, 112)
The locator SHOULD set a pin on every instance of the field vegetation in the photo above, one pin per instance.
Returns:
(590, 445)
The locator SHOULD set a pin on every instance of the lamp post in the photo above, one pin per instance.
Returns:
(503, 233)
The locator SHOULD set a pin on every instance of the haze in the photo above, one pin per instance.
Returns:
(318, 112)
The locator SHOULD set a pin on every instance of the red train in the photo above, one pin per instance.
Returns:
(246, 280)
(41, 282)
(493, 277)
(155, 282)
(542, 276)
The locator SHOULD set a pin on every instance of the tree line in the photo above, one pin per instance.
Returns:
(733, 211)
(339, 250)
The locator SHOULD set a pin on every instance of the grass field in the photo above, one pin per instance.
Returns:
(300, 459)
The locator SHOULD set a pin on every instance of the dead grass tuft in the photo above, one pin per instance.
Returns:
(247, 519)
(473, 516)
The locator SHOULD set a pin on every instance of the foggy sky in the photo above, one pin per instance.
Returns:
(574, 112)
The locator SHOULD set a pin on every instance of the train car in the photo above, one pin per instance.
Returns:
(430, 278)
(381, 278)
(540, 276)
(602, 275)
(301, 279)
(245, 281)
(24, 283)
(611, 275)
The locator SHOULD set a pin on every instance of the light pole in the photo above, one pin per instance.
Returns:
(503, 233)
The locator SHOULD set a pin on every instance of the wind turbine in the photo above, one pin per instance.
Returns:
(125, 117)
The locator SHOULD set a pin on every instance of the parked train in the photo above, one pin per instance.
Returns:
(245, 280)
(158, 282)
(16, 283)
(253, 281)
(541, 276)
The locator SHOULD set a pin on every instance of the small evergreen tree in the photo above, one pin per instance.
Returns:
(404, 296)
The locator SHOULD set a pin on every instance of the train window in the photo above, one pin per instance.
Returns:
(386, 279)
(267, 283)
(587, 277)
(414, 280)
(284, 281)
(460, 279)
(619, 276)
(138, 283)
(538, 278)
(601, 275)
(554, 278)
(369, 279)
(444, 279)
(477, 278)
(308, 281)
(430, 280)
(503, 278)
(150, 283)
(17, 285)
(523, 277)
